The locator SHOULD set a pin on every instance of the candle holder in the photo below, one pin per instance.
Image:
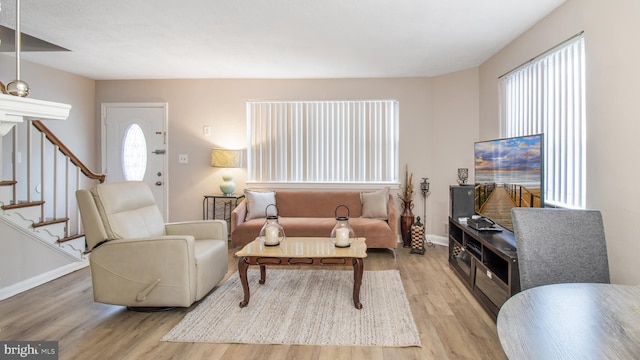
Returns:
(463, 176)
(424, 188)
(272, 233)
(342, 234)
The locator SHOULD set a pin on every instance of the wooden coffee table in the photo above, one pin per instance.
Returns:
(299, 251)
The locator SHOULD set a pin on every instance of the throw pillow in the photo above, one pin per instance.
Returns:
(257, 203)
(374, 204)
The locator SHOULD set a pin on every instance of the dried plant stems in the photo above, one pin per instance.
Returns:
(407, 191)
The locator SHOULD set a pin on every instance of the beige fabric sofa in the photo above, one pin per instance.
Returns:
(312, 213)
(137, 260)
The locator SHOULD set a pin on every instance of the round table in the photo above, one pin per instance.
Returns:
(572, 321)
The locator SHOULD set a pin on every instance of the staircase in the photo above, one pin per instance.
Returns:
(42, 236)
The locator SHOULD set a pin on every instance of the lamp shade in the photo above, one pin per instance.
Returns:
(226, 158)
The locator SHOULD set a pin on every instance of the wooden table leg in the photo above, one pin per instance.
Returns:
(358, 267)
(263, 274)
(243, 265)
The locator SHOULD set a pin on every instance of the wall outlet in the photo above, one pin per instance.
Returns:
(206, 130)
(446, 228)
(183, 158)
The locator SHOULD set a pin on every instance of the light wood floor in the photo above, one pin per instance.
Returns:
(452, 324)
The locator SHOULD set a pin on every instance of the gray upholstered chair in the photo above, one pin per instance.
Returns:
(139, 261)
(560, 246)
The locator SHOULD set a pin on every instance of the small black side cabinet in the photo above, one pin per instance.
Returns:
(486, 262)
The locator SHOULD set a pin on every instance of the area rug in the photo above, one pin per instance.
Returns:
(304, 307)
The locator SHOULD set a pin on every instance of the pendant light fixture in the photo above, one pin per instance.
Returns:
(18, 87)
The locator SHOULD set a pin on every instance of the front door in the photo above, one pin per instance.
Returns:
(134, 146)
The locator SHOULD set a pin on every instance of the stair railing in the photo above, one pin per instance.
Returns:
(64, 150)
(56, 180)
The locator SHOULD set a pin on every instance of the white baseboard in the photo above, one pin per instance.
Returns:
(30, 283)
(438, 240)
(435, 239)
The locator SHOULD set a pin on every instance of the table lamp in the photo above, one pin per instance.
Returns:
(226, 159)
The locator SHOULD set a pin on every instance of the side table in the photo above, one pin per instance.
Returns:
(210, 206)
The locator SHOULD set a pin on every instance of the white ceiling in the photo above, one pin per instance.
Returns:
(145, 39)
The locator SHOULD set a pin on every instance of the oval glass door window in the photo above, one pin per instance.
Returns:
(134, 154)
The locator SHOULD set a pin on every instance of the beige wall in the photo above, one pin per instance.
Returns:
(455, 129)
(221, 104)
(58, 86)
(612, 30)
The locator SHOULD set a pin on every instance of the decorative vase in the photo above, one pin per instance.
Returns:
(406, 220)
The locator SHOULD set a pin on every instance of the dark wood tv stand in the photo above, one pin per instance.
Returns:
(486, 262)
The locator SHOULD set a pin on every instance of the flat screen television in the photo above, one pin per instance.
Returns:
(508, 173)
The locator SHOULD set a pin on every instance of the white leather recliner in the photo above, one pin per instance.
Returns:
(139, 261)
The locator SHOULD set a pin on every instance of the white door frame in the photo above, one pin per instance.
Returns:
(103, 142)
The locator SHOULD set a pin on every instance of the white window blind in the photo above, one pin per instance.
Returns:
(323, 142)
(547, 95)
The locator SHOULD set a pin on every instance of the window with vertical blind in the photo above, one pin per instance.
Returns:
(322, 142)
(547, 95)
